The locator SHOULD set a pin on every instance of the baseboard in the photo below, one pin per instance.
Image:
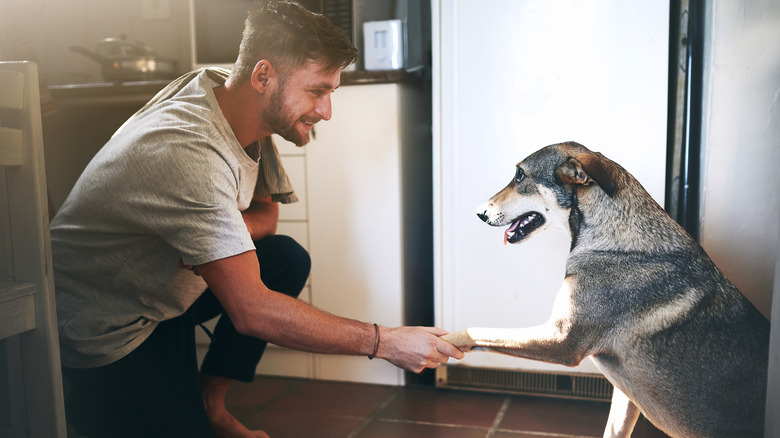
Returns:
(578, 386)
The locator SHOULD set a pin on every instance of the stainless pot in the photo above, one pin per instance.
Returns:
(129, 61)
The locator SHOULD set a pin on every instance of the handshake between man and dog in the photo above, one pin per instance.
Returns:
(676, 338)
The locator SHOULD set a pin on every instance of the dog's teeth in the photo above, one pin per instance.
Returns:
(528, 220)
(517, 226)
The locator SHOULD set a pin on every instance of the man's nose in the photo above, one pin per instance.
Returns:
(324, 109)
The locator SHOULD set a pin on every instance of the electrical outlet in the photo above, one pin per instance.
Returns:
(156, 9)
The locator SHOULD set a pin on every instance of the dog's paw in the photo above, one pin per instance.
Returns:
(461, 340)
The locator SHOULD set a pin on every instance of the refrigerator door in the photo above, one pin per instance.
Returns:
(509, 78)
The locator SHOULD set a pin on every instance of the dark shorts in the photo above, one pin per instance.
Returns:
(154, 391)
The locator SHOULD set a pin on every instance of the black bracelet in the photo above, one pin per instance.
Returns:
(376, 341)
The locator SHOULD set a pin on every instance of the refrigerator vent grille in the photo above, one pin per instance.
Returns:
(573, 386)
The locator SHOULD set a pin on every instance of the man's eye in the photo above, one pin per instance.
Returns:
(519, 175)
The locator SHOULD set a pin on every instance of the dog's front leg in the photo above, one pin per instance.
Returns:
(560, 340)
(545, 343)
(623, 415)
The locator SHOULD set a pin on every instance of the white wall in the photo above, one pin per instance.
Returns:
(740, 208)
(741, 134)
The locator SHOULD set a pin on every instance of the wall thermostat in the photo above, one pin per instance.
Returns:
(383, 45)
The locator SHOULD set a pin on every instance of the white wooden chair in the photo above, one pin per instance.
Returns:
(31, 394)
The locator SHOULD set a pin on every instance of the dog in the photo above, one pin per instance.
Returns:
(677, 340)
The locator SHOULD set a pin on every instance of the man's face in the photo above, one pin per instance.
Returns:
(301, 100)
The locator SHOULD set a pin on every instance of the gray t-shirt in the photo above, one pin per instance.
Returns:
(170, 189)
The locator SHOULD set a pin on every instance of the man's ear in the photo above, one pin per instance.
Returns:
(262, 75)
(585, 169)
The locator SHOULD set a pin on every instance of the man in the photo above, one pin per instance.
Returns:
(182, 199)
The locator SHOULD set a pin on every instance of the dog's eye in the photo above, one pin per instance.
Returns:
(519, 175)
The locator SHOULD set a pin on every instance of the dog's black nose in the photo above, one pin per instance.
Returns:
(482, 216)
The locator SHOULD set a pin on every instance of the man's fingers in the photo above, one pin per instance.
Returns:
(450, 350)
(443, 346)
(436, 331)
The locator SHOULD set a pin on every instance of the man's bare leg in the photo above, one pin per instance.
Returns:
(214, 390)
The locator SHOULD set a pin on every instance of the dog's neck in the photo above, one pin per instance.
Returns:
(629, 221)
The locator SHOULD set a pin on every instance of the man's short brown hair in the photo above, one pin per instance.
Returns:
(289, 35)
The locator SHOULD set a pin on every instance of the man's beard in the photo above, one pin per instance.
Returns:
(276, 115)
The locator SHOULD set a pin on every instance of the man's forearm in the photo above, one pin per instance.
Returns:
(257, 311)
(297, 325)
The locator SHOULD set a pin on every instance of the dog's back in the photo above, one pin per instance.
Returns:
(687, 348)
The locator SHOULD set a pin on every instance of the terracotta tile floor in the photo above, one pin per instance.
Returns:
(294, 408)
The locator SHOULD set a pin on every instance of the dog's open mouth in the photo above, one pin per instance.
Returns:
(522, 227)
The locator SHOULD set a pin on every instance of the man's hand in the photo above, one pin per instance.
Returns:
(194, 269)
(415, 348)
(261, 217)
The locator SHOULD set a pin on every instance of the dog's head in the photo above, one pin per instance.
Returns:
(543, 190)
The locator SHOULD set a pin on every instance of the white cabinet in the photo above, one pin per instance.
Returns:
(354, 185)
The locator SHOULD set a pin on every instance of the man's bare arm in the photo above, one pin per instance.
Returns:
(258, 311)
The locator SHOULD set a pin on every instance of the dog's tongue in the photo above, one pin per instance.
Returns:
(510, 230)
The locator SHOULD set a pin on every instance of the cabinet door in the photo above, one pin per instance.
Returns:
(354, 201)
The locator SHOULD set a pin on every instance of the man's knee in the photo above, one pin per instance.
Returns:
(282, 259)
(287, 251)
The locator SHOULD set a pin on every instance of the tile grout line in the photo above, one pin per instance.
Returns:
(499, 417)
(430, 423)
(260, 407)
(375, 413)
(284, 392)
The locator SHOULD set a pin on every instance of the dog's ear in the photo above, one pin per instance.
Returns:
(585, 169)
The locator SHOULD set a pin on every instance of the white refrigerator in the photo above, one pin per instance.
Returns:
(512, 76)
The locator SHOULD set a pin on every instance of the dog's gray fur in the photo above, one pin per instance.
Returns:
(676, 338)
